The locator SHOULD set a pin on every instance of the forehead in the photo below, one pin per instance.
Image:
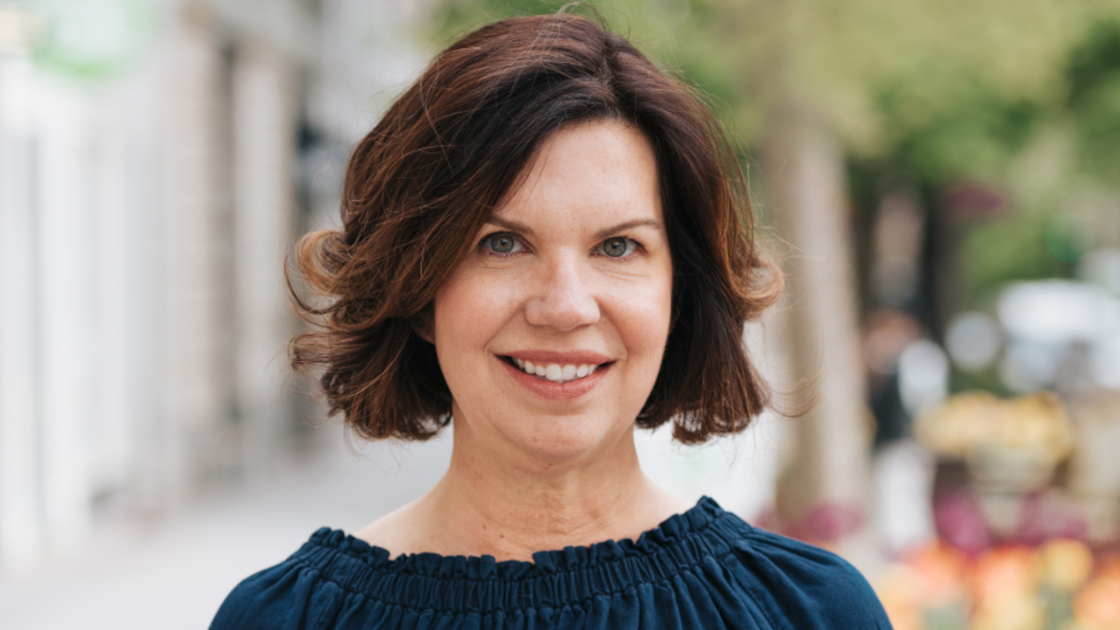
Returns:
(598, 169)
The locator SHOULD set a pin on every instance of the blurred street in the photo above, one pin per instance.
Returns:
(174, 574)
(940, 184)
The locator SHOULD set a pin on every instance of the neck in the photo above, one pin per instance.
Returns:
(488, 504)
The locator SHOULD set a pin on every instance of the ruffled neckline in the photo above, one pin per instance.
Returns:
(669, 534)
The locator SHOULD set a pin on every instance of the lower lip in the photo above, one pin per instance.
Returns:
(557, 391)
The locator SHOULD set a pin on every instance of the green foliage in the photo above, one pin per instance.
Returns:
(977, 138)
(1005, 249)
(913, 78)
(456, 18)
(1094, 100)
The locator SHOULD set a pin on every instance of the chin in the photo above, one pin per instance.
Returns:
(565, 440)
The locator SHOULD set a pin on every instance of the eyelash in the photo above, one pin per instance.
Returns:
(632, 246)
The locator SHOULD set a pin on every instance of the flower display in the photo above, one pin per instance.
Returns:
(1058, 585)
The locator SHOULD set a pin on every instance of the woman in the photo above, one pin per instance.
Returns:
(546, 243)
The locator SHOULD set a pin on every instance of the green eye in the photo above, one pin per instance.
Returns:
(501, 243)
(616, 247)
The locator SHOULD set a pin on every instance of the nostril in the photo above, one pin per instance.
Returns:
(563, 311)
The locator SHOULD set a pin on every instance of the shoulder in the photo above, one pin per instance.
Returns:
(804, 586)
(292, 594)
(263, 600)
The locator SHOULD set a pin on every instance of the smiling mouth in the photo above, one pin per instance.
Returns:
(555, 372)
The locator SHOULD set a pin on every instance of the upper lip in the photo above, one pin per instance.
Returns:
(578, 357)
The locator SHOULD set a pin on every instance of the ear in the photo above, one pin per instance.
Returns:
(423, 323)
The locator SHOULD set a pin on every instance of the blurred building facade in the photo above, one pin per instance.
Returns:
(157, 162)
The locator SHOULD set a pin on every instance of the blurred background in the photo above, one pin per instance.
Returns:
(940, 180)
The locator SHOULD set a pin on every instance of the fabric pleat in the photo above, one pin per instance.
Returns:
(705, 568)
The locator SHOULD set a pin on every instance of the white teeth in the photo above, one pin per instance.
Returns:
(555, 372)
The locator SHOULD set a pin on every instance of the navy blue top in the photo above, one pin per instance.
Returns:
(705, 568)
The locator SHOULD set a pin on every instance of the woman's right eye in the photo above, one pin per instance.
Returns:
(502, 243)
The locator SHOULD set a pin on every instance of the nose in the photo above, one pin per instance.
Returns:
(563, 299)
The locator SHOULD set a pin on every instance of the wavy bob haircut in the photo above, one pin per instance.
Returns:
(423, 182)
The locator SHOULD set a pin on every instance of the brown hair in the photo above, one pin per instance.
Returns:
(421, 184)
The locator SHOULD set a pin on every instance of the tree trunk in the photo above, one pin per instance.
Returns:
(823, 493)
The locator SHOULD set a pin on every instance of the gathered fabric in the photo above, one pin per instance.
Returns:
(705, 568)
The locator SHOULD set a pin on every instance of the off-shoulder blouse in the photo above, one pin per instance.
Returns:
(705, 568)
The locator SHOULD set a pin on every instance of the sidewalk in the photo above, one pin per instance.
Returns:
(174, 575)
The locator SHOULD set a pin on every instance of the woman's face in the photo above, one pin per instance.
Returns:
(571, 278)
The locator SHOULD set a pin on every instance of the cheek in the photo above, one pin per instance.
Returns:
(469, 310)
(643, 319)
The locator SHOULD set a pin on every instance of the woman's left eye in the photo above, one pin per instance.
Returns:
(617, 247)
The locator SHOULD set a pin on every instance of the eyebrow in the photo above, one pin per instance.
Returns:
(521, 228)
